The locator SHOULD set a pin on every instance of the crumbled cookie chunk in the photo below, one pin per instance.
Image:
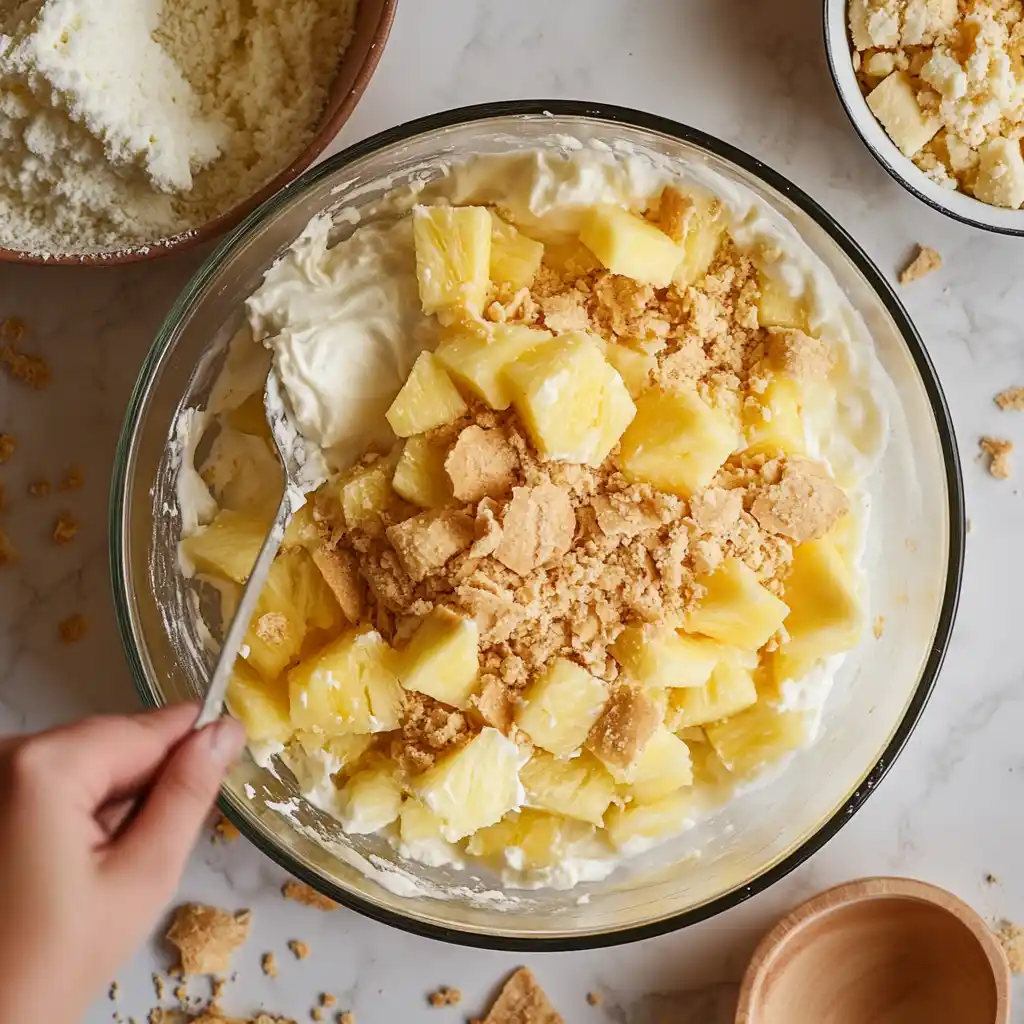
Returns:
(804, 505)
(538, 525)
(429, 728)
(299, 949)
(523, 1001)
(426, 542)
(340, 570)
(65, 529)
(31, 370)
(206, 937)
(716, 510)
(674, 213)
(620, 515)
(925, 261)
(1011, 938)
(73, 628)
(272, 627)
(268, 964)
(445, 996)
(481, 464)
(628, 721)
(798, 354)
(299, 892)
(486, 529)
(39, 487)
(566, 311)
(328, 999)
(346, 1017)
(72, 480)
(225, 831)
(998, 451)
(8, 444)
(1010, 400)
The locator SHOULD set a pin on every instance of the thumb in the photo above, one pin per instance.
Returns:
(157, 843)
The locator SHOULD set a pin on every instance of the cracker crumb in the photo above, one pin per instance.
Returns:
(8, 552)
(73, 628)
(998, 450)
(328, 999)
(522, 1001)
(299, 892)
(8, 445)
(224, 831)
(538, 526)
(346, 1017)
(181, 994)
(217, 986)
(595, 998)
(803, 505)
(39, 487)
(207, 937)
(879, 627)
(299, 949)
(72, 480)
(990, 879)
(1010, 400)
(340, 570)
(268, 963)
(65, 529)
(628, 721)
(114, 991)
(481, 464)
(316, 1013)
(1011, 938)
(445, 996)
(158, 986)
(33, 371)
(12, 329)
(925, 261)
(798, 354)
(426, 542)
(272, 627)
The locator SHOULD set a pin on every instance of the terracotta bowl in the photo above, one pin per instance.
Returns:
(878, 950)
(372, 26)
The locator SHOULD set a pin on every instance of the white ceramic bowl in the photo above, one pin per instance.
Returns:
(957, 205)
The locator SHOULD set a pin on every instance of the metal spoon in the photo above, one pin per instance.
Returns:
(302, 474)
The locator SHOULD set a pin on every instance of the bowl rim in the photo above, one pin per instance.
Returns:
(609, 113)
(321, 139)
(901, 169)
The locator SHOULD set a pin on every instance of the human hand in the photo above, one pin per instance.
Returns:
(97, 820)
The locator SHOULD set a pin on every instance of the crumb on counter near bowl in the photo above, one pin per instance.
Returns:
(926, 260)
(445, 996)
(998, 450)
(65, 529)
(8, 552)
(268, 964)
(595, 998)
(72, 480)
(1011, 400)
(224, 831)
(207, 937)
(39, 487)
(945, 81)
(73, 628)
(523, 1001)
(33, 371)
(299, 892)
(299, 949)
(8, 445)
(1011, 938)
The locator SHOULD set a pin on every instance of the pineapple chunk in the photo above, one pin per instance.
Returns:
(574, 404)
(342, 753)
(420, 476)
(658, 656)
(730, 690)
(227, 547)
(753, 739)
(778, 308)
(250, 417)
(560, 706)
(370, 800)
(473, 787)
(894, 102)
(825, 615)
(664, 767)
(677, 442)
(776, 424)
(636, 368)
(428, 399)
(704, 232)
(442, 658)
(638, 827)
(515, 258)
(420, 836)
(477, 356)
(261, 707)
(453, 258)
(348, 687)
(629, 245)
(735, 608)
(528, 840)
(301, 531)
(366, 493)
(581, 788)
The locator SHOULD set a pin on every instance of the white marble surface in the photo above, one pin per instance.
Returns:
(752, 72)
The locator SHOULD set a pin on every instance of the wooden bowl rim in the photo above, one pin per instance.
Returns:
(385, 14)
(860, 890)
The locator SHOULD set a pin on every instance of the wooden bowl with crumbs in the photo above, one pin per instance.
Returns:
(366, 34)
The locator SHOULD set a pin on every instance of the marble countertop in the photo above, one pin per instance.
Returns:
(753, 73)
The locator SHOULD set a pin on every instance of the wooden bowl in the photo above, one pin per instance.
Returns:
(373, 22)
(878, 951)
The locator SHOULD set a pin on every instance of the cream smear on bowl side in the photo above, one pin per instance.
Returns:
(360, 297)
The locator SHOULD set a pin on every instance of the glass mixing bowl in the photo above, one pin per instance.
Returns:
(914, 561)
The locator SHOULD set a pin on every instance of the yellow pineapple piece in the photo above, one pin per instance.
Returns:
(476, 356)
(778, 308)
(638, 826)
(776, 424)
(629, 245)
(757, 737)
(473, 787)
(250, 417)
(730, 690)
(365, 493)
(528, 840)
(418, 823)
(453, 259)
(261, 707)
(574, 404)
(658, 656)
(560, 706)
(676, 442)
(704, 232)
(442, 658)
(635, 367)
(301, 531)
(825, 615)
(663, 767)
(428, 399)
(420, 476)
(349, 686)
(343, 752)
(227, 547)
(581, 788)
(735, 608)
(515, 258)
(370, 800)
(312, 597)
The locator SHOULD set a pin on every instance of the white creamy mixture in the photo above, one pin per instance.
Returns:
(344, 325)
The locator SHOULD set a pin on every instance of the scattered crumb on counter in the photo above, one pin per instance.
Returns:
(207, 937)
(113, 993)
(1011, 938)
(158, 986)
(72, 479)
(346, 1017)
(224, 831)
(595, 998)
(8, 444)
(8, 552)
(39, 487)
(73, 628)
(445, 996)
(65, 529)
(990, 879)
(12, 329)
(1011, 400)
(998, 450)
(31, 370)
(299, 892)
(217, 989)
(879, 627)
(925, 261)
(522, 1001)
(269, 965)
(181, 994)
(316, 1013)
(327, 999)
(299, 948)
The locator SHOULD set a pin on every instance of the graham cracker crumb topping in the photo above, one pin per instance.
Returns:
(481, 464)
(207, 937)
(804, 505)
(998, 450)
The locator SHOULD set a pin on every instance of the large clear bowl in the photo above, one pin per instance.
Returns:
(914, 562)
